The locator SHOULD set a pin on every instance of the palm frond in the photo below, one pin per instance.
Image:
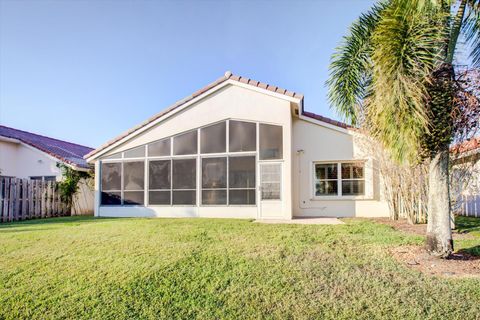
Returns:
(471, 30)
(407, 47)
(350, 68)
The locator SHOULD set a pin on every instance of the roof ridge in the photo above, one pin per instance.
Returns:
(40, 135)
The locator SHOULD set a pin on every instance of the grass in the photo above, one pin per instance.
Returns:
(204, 268)
(471, 226)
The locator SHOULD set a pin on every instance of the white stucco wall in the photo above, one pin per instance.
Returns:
(22, 161)
(317, 143)
(230, 102)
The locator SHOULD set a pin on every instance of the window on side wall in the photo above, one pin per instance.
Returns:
(353, 179)
(339, 179)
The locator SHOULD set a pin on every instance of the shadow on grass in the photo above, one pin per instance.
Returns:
(474, 252)
(52, 221)
(467, 224)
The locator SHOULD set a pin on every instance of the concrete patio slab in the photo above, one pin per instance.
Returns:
(323, 220)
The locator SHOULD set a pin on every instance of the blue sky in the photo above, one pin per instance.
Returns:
(85, 71)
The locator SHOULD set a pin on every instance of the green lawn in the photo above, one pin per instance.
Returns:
(204, 268)
(471, 226)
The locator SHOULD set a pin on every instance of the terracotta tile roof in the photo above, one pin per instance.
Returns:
(325, 119)
(465, 146)
(67, 152)
(228, 76)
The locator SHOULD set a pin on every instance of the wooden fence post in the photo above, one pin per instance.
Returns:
(16, 199)
(2, 197)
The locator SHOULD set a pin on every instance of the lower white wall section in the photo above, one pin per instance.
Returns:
(344, 209)
(178, 212)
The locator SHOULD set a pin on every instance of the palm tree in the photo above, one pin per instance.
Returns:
(393, 74)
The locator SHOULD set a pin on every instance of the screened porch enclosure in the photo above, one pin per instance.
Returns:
(215, 165)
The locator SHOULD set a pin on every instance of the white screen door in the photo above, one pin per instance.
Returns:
(271, 190)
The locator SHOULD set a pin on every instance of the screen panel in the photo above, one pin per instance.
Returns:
(241, 172)
(159, 174)
(111, 176)
(213, 138)
(271, 142)
(133, 175)
(133, 197)
(135, 153)
(214, 173)
(186, 143)
(159, 148)
(159, 197)
(242, 197)
(184, 173)
(111, 198)
(184, 197)
(242, 136)
(217, 197)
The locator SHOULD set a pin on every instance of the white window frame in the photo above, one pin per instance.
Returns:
(339, 195)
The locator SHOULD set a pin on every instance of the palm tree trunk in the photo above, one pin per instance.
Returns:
(439, 234)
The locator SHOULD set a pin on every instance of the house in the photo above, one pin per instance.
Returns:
(28, 155)
(237, 148)
(466, 177)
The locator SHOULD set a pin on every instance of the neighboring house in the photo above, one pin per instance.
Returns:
(466, 177)
(29, 155)
(237, 148)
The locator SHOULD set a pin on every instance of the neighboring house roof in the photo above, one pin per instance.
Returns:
(227, 77)
(466, 146)
(70, 153)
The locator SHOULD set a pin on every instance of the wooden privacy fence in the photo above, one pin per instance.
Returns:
(468, 205)
(22, 199)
